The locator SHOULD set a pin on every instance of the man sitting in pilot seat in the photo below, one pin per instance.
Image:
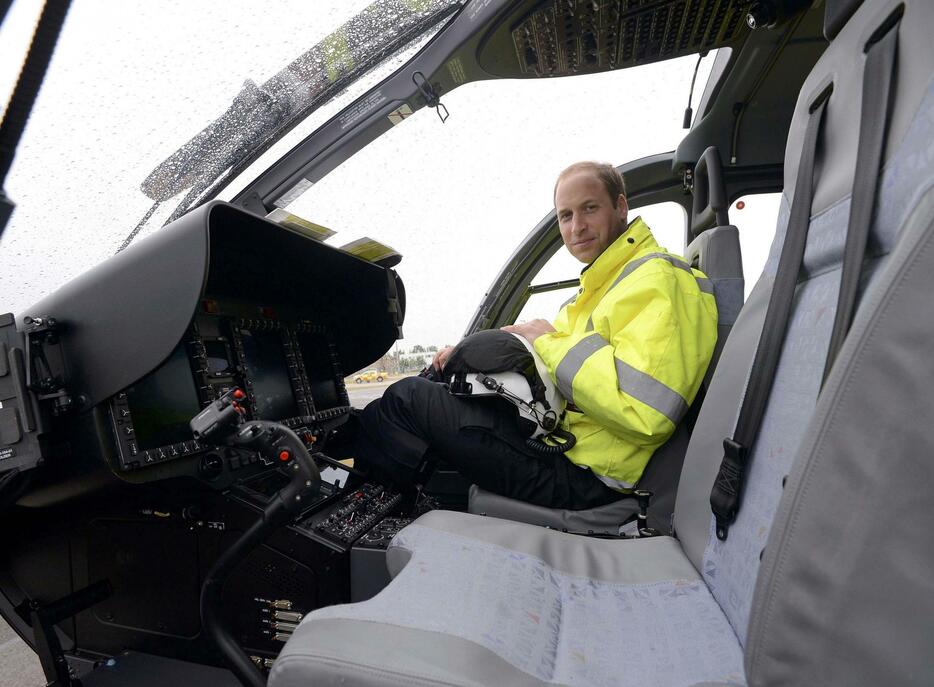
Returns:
(628, 353)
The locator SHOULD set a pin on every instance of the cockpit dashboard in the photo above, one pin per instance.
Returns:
(288, 367)
(142, 343)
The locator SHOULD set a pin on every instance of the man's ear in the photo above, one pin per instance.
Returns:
(622, 208)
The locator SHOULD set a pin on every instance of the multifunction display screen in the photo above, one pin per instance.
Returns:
(151, 419)
(163, 402)
(218, 357)
(319, 367)
(264, 355)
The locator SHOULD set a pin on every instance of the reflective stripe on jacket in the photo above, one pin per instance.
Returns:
(630, 352)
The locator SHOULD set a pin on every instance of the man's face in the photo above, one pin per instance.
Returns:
(587, 218)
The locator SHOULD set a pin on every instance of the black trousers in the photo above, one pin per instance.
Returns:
(417, 421)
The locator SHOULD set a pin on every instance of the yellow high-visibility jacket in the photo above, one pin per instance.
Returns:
(629, 354)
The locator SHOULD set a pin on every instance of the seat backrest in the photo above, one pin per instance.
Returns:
(716, 253)
(730, 568)
(845, 591)
(715, 249)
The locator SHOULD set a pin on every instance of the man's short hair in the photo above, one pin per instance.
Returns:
(611, 179)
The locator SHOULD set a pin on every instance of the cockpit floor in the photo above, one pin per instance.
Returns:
(132, 669)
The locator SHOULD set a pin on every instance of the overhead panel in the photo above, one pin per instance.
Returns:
(578, 36)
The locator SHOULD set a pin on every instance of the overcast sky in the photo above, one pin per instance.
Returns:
(132, 81)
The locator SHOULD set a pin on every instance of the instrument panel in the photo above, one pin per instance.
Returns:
(289, 368)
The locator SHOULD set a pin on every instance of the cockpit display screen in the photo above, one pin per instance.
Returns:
(218, 357)
(319, 368)
(268, 370)
(163, 402)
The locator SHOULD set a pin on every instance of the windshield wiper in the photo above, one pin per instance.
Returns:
(261, 114)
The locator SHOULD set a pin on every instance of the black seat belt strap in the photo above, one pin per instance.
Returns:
(727, 488)
(878, 76)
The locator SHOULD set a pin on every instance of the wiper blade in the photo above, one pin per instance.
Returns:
(260, 113)
(253, 114)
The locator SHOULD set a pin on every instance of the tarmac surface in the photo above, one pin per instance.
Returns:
(19, 666)
(363, 393)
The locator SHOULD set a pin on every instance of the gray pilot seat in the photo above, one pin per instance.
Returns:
(715, 250)
(825, 577)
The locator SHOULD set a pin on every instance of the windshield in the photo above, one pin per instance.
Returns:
(129, 85)
(456, 199)
(148, 105)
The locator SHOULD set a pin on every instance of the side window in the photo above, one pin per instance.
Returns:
(755, 216)
(668, 222)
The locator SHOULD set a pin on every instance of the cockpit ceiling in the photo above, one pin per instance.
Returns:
(565, 37)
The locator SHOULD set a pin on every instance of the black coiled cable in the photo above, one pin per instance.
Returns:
(567, 443)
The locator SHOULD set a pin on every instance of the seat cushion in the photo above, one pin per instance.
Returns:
(480, 601)
(660, 477)
(606, 519)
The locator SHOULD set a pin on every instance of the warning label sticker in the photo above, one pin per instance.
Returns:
(456, 70)
(397, 115)
(7, 452)
(361, 108)
(476, 8)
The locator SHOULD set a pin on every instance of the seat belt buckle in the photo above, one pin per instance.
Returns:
(724, 497)
(736, 452)
(644, 497)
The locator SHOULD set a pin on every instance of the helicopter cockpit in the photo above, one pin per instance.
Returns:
(176, 434)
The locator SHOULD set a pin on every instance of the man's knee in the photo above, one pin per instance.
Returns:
(411, 389)
(407, 400)
(394, 426)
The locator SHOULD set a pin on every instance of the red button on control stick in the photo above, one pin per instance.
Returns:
(285, 455)
(238, 394)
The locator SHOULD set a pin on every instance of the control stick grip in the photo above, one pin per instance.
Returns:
(279, 444)
(223, 422)
(220, 418)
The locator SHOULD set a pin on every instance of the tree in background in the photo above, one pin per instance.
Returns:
(398, 361)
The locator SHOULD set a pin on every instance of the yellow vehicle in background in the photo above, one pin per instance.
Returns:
(369, 376)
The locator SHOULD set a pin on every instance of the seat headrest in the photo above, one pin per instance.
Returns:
(836, 14)
(710, 205)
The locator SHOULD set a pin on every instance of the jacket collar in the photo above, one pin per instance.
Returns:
(636, 239)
